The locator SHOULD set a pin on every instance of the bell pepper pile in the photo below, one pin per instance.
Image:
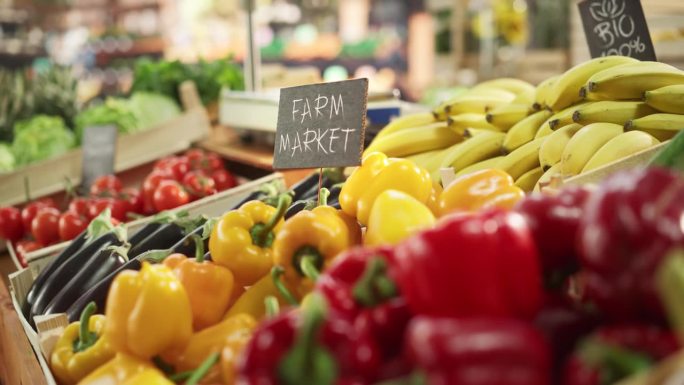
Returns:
(390, 279)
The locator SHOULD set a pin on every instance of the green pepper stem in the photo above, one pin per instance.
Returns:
(85, 338)
(154, 256)
(335, 174)
(203, 369)
(272, 306)
(199, 247)
(308, 267)
(182, 376)
(323, 195)
(415, 378)
(260, 234)
(276, 273)
(374, 286)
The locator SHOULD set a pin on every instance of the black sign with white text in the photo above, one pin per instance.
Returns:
(616, 27)
(321, 125)
(99, 149)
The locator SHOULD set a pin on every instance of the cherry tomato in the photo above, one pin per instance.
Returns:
(205, 161)
(107, 185)
(24, 247)
(223, 179)
(45, 226)
(79, 205)
(117, 207)
(163, 163)
(169, 195)
(178, 167)
(149, 187)
(71, 224)
(29, 212)
(133, 199)
(199, 184)
(11, 227)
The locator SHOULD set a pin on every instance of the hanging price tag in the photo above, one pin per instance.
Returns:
(616, 27)
(99, 148)
(321, 125)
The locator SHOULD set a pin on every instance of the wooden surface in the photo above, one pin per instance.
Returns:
(18, 364)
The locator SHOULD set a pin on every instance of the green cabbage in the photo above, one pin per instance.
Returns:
(151, 109)
(116, 111)
(40, 137)
(7, 161)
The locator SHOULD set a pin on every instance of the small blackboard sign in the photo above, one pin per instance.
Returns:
(321, 125)
(99, 147)
(616, 27)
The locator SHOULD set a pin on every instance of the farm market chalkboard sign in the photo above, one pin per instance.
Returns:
(321, 125)
(616, 27)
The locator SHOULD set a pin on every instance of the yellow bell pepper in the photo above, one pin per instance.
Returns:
(378, 173)
(310, 240)
(232, 349)
(148, 312)
(395, 216)
(433, 201)
(209, 287)
(479, 190)
(242, 239)
(81, 348)
(251, 302)
(209, 341)
(124, 369)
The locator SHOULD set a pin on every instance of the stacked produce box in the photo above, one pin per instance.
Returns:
(387, 276)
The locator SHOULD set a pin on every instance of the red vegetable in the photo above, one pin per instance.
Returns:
(471, 264)
(198, 184)
(71, 224)
(170, 194)
(29, 212)
(11, 228)
(106, 185)
(177, 167)
(150, 185)
(478, 351)
(45, 226)
(118, 208)
(133, 199)
(80, 205)
(223, 179)
(205, 161)
(24, 247)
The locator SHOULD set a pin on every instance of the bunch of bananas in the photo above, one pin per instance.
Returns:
(595, 113)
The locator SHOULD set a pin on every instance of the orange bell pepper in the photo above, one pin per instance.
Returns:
(479, 190)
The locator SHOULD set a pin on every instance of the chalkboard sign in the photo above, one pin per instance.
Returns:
(321, 125)
(98, 146)
(616, 27)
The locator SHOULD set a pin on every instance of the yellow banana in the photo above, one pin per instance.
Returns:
(618, 112)
(481, 165)
(525, 130)
(462, 122)
(665, 122)
(548, 176)
(566, 89)
(478, 101)
(564, 116)
(480, 147)
(551, 150)
(513, 85)
(526, 98)
(542, 93)
(522, 159)
(423, 159)
(666, 99)
(544, 130)
(584, 144)
(661, 135)
(619, 147)
(505, 117)
(470, 132)
(630, 81)
(415, 140)
(407, 121)
(528, 180)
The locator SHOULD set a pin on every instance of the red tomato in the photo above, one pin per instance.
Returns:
(45, 226)
(169, 195)
(178, 167)
(163, 163)
(30, 210)
(149, 187)
(133, 199)
(24, 247)
(199, 184)
(117, 207)
(223, 179)
(107, 185)
(79, 205)
(71, 224)
(206, 161)
(11, 227)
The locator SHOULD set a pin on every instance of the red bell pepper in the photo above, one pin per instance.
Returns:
(554, 221)
(471, 264)
(311, 346)
(478, 351)
(615, 352)
(630, 223)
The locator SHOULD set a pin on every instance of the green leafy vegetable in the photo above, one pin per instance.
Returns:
(151, 109)
(7, 161)
(114, 111)
(41, 137)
